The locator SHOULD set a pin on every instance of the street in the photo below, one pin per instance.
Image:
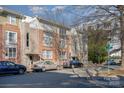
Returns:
(50, 79)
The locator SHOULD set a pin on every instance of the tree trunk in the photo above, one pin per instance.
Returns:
(84, 52)
(122, 37)
(122, 54)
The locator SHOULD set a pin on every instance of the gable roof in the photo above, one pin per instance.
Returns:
(52, 23)
(7, 11)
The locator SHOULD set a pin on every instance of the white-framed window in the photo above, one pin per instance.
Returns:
(10, 37)
(62, 43)
(10, 52)
(62, 32)
(63, 55)
(47, 39)
(47, 54)
(11, 20)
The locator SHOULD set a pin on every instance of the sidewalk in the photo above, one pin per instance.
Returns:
(113, 79)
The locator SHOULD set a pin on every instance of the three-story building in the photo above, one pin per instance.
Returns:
(10, 39)
(44, 40)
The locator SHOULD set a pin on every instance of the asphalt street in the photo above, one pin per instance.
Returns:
(50, 79)
(53, 79)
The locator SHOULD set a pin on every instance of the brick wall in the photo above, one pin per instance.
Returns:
(1, 46)
(8, 27)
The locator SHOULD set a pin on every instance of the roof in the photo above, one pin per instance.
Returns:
(52, 23)
(7, 11)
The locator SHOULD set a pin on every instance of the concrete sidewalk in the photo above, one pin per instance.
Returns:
(116, 81)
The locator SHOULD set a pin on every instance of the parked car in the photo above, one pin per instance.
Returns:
(73, 63)
(110, 62)
(45, 65)
(110, 65)
(7, 67)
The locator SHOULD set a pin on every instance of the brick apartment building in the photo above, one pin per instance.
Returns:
(44, 40)
(10, 40)
(27, 40)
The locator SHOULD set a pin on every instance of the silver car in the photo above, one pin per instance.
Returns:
(46, 65)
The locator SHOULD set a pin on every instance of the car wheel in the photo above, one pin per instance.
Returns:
(72, 66)
(81, 65)
(58, 67)
(34, 70)
(43, 69)
(21, 71)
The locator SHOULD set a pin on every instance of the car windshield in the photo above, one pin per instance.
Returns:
(110, 63)
(49, 62)
(10, 63)
(75, 61)
(4, 63)
(40, 63)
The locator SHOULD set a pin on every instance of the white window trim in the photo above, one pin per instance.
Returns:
(7, 41)
(49, 37)
(44, 53)
(9, 19)
(63, 41)
(63, 56)
(8, 52)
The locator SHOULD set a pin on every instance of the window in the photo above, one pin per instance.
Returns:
(62, 32)
(47, 39)
(11, 37)
(98, 26)
(49, 62)
(63, 55)
(75, 46)
(12, 20)
(47, 54)
(27, 40)
(90, 27)
(107, 25)
(62, 43)
(11, 52)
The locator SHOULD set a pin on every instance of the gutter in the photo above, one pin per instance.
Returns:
(7, 11)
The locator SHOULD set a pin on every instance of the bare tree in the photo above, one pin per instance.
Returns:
(81, 42)
(117, 12)
(107, 12)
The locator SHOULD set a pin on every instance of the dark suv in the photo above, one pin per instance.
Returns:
(75, 63)
(111, 63)
(7, 67)
(72, 64)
